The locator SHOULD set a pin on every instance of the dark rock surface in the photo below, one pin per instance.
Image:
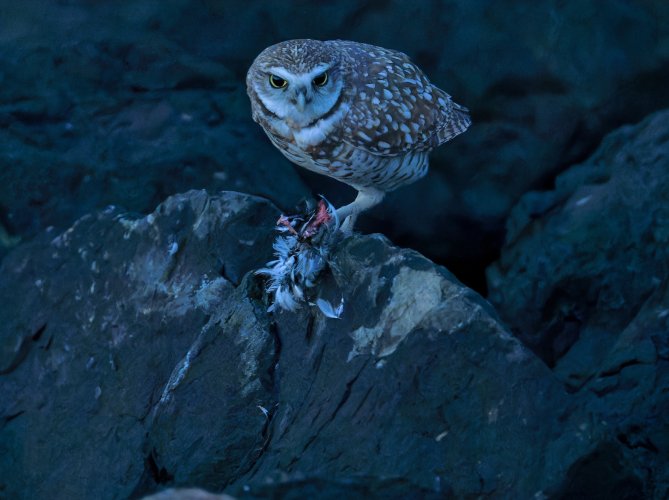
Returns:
(583, 281)
(104, 326)
(187, 494)
(418, 383)
(141, 347)
(126, 103)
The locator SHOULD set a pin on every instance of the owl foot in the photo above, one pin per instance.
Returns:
(365, 200)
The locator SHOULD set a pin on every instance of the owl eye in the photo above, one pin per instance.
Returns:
(277, 82)
(320, 80)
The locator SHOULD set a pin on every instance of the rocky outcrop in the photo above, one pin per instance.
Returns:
(107, 325)
(186, 494)
(98, 107)
(138, 353)
(417, 382)
(583, 281)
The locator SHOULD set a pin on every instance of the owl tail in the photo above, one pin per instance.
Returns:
(457, 122)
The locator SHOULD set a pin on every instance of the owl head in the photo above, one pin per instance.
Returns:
(298, 81)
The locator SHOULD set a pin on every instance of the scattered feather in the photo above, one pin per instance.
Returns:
(328, 310)
(264, 410)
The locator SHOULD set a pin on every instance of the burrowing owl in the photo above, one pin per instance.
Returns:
(364, 115)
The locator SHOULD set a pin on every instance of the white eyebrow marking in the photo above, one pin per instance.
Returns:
(281, 72)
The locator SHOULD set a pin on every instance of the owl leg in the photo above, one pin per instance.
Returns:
(365, 200)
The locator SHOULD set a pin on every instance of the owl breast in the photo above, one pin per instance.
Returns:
(318, 151)
(322, 148)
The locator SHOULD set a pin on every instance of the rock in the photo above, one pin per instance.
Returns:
(104, 328)
(7, 241)
(186, 494)
(581, 260)
(417, 381)
(583, 280)
(142, 347)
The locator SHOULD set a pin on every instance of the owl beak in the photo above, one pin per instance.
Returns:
(300, 100)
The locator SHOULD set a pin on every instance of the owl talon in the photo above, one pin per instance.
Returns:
(347, 225)
(366, 199)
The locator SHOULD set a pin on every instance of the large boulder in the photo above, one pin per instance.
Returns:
(142, 347)
(417, 389)
(581, 260)
(583, 282)
(106, 326)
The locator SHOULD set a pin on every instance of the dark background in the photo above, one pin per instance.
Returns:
(125, 103)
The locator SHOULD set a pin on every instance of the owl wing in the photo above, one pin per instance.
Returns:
(396, 109)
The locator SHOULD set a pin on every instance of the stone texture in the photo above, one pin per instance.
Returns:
(581, 260)
(99, 106)
(417, 381)
(186, 494)
(583, 279)
(105, 325)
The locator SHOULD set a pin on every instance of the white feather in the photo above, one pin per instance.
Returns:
(328, 310)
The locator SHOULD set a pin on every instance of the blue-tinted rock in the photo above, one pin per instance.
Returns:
(417, 380)
(583, 279)
(104, 325)
(142, 347)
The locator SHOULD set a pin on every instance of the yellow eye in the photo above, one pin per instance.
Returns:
(321, 80)
(277, 82)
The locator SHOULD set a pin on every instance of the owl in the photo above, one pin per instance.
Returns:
(361, 114)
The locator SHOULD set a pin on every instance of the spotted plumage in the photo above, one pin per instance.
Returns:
(361, 114)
